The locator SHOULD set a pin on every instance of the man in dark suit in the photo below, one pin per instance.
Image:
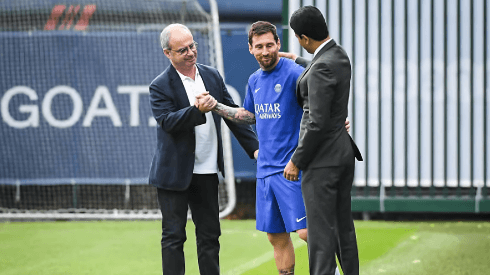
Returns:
(189, 150)
(325, 150)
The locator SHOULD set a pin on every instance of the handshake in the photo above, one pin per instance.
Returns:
(205, 102)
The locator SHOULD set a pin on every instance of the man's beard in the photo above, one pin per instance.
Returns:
(271, 62)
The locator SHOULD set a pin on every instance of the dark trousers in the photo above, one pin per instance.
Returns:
(202, 198)
(331, 231)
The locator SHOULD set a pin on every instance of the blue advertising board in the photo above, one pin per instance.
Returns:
(75, 108)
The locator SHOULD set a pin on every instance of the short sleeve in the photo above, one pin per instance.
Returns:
(248, 103)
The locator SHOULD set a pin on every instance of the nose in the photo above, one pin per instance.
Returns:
(265, 51)
(190, 52)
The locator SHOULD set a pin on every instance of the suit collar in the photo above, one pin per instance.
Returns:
(208, 80)
(178, 86)
(180, 92)
(325, 48)
(321, 46)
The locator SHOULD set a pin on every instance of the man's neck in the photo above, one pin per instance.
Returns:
(189, 72)
(317, 44)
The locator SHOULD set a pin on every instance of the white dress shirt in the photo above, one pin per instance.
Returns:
(206, 156)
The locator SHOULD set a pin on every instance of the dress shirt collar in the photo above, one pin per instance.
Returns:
(321, 47)
(183, 77)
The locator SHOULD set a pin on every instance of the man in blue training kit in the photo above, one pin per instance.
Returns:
(271, 104)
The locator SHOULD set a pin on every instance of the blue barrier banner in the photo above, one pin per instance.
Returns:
(75, 108)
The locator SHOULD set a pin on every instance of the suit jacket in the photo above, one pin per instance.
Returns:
(173, 161)
(323, 91)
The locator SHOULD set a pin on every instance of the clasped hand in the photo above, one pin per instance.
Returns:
(205, 102)
(291, 171)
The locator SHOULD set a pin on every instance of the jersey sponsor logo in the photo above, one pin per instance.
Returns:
(256, 90)
(268, 110)
(267, 107)
(269, 116)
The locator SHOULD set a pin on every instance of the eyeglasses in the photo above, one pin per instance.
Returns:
(185, 51)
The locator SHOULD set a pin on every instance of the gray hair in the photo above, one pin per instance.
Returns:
(165, 34)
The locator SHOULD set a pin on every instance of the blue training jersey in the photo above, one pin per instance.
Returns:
(271, 96)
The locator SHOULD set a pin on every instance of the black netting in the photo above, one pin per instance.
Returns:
(74, 97)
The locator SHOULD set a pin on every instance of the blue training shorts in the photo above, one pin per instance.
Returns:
(279, 205)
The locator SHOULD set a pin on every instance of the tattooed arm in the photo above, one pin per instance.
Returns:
(237, 115)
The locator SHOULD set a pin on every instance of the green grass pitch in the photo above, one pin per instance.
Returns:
(133, 247)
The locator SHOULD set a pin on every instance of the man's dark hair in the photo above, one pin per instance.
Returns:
(310, 22)
(260, 28)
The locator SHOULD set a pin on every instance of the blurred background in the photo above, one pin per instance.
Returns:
(78, 137)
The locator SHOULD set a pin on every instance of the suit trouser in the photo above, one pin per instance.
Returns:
(202, 198)
(327, 197)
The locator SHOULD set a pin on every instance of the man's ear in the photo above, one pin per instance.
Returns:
(306, 38)
(250, 48)
(279, 43)
(166, 53)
